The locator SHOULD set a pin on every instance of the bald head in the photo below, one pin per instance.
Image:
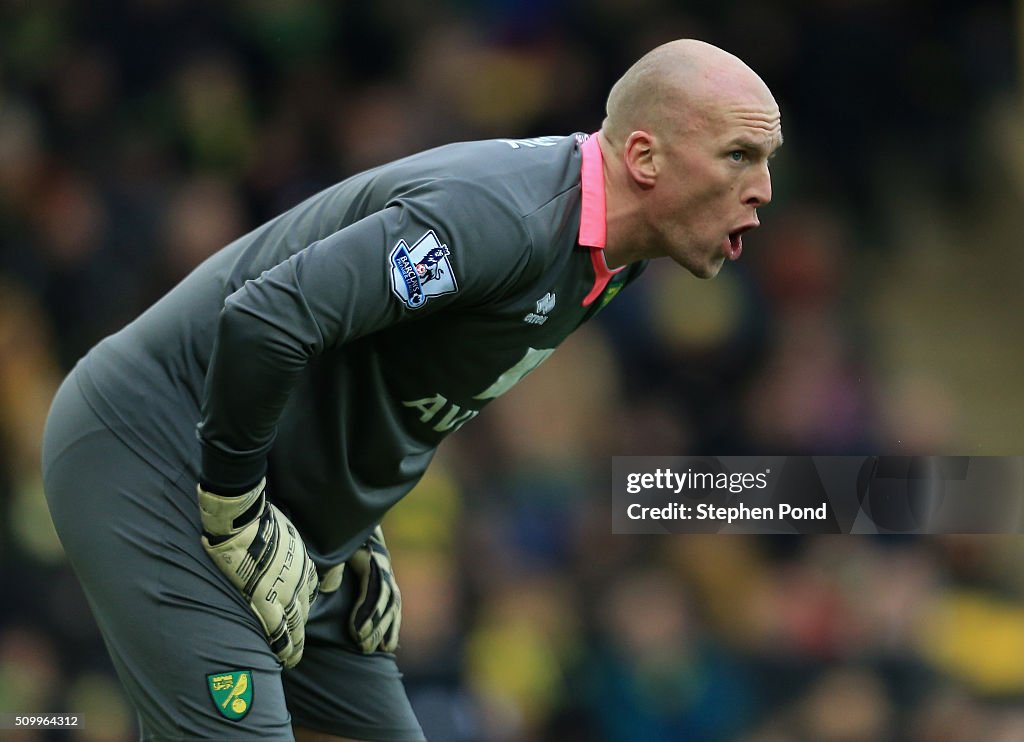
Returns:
(686, 143)
(675, 88)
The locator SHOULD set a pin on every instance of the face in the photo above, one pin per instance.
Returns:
(711, 180)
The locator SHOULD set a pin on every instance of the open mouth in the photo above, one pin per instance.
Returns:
(734, 243)
(735, 248)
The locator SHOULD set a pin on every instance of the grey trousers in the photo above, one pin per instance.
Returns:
(176, 629)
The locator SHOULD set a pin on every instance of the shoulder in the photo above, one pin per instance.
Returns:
(500, 206)
(513, 176)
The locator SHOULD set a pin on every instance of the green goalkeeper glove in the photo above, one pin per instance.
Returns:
(258, 548)
(376, 617)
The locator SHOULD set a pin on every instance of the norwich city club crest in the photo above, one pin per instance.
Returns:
(231, 691)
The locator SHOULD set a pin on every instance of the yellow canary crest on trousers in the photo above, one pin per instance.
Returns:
(231, 692)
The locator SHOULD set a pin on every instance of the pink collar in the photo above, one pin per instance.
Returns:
(593, 216)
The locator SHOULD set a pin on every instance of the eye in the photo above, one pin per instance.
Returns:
(737, 155)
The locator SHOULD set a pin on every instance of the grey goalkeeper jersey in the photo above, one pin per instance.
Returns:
(334, 347)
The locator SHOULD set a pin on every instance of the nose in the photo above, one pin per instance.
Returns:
(759, 189)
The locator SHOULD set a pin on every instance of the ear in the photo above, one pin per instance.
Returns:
(638, 155)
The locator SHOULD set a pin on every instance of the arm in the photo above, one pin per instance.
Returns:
(330, 293)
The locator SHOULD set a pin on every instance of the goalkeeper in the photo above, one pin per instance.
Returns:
(218, 470)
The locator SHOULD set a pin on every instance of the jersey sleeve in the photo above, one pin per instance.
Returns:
(435, 249)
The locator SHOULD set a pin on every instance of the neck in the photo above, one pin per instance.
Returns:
(624, 237)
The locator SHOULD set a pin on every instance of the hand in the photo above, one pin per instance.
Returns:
(261, 552)
(377, 614)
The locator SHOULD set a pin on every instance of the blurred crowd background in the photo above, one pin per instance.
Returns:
(877, 310)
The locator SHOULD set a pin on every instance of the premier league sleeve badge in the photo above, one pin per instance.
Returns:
(421, 271)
